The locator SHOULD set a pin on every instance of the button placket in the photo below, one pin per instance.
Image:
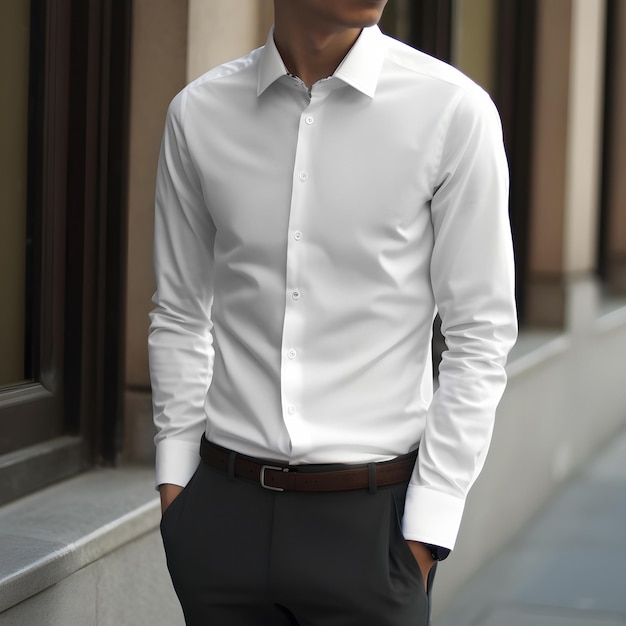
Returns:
(294, 321)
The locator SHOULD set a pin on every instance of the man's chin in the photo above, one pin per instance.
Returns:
(367, 20)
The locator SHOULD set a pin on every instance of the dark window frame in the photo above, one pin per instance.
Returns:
(431, 27)
(423, 24)
(68, 416)
(608, 138)
(33, 441)
(514, 97)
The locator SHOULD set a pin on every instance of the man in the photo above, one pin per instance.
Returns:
(317, 201)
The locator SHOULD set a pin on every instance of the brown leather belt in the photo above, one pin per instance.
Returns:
(278, 477)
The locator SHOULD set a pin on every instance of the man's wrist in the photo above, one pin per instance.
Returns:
(169, 492)
(437, 552)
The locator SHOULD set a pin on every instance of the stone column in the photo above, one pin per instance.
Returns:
(221, 31)
(564, 211)
(159, 60)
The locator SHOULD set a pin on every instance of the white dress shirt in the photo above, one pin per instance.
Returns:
(304, 241)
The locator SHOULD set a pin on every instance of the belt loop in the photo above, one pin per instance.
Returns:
(371, 470)
(231, 464)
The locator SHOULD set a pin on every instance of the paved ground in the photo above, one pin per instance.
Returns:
(568, 568)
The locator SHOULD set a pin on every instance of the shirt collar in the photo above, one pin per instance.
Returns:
(360, 68)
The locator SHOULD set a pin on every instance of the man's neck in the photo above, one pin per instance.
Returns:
(311, 52)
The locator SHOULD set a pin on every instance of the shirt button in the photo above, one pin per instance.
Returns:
(309, 119)
(292, 354)
(304, 176)
(295, 295)
(291, 409)
(297, 235)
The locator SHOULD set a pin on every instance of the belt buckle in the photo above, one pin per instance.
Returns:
(262, 476)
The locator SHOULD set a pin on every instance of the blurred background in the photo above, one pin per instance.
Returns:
(84, 88)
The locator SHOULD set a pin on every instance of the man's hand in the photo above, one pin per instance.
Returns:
(424, 559)
(168, 494)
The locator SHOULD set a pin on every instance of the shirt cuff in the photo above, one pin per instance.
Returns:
(176, 461)
(431, 516)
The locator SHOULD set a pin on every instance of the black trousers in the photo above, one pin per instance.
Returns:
(241, 555)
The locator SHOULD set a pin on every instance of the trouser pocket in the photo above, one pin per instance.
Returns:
(399, 548)
(402, 560)
(172, 512)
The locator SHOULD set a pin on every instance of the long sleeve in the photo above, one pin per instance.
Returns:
(472, 279)
(180, 344)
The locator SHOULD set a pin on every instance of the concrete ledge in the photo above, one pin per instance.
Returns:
(533, 348)
(612, 315)
(47, 536)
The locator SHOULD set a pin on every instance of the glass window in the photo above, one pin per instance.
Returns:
(14, 106)
(473, 40)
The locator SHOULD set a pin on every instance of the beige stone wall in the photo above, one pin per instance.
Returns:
(584, 140)
(544, 290)
(474, 31)
(158, 72)
(221, 31)
(550, 136)
(564, 210)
